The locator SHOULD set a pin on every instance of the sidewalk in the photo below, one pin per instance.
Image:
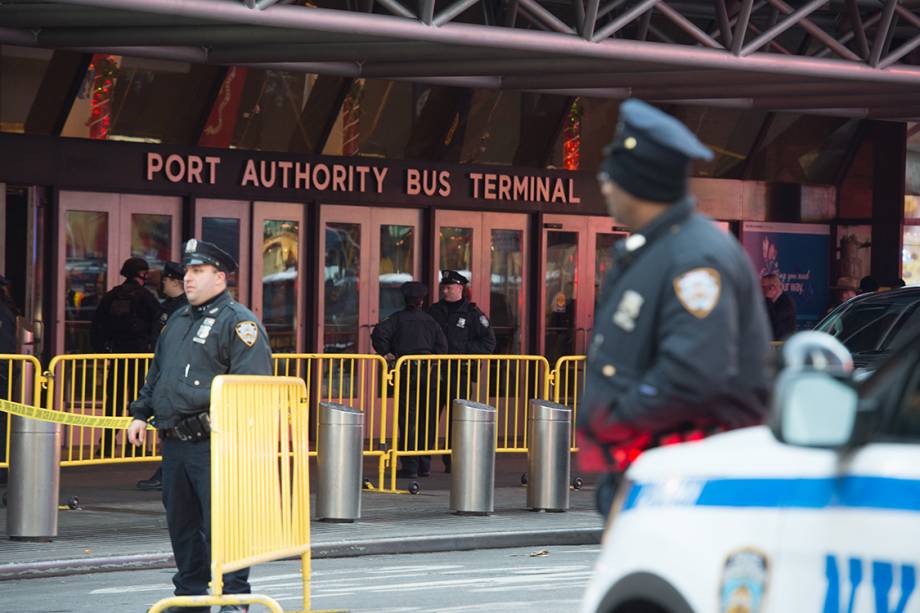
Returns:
(121, 528)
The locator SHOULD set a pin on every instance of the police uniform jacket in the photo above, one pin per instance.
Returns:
(200, 342)
(171, 305)
(681, 336)
(127, 320)
(409, 332)
(467, 329)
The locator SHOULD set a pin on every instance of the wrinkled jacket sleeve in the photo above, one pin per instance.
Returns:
(142, 407)
(482, 339)
(382, 336)
(695, 359)
(152, 314)
(98, 336)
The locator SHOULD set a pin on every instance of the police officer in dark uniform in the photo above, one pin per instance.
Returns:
(467, 330)
(127, 320)
(681, 341)
(212, 335)
(172, 286)
(413, 332)
(8, 315)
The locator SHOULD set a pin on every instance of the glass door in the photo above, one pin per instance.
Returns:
(226, 224)
(98, 233)
(367, 254)
(489, 249)
(576, 255)
(277, 262)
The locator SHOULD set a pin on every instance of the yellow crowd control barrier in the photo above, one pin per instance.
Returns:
(98, 385)
(20, 381)
(356, 380)
(568, 384)
(260, 483)
(425, 386)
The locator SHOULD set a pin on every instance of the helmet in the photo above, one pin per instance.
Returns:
(133, 266)
(818, 351)
(414, 289)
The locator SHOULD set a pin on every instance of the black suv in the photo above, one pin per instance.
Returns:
(872, 325)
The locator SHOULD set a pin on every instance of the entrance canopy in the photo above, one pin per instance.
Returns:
(849, 58)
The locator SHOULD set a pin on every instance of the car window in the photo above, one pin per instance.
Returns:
(905, 328)
(863, 326)
(905, 423)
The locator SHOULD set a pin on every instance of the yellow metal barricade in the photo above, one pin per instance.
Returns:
(568, 385)
(356, 380)
(425, 385)
(98, 385)
(260, 483)
(20, 381)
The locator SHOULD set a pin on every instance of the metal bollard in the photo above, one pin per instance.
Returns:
(32, 496)
(549, 437)
(339, 463)
(472, 483)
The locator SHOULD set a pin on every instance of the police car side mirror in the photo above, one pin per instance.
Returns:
(815, 408)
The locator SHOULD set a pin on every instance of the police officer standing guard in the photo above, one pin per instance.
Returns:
(681, 339)
(211, 336)
(172, 286)
(413, 332)
(127, 320)
(467, 330)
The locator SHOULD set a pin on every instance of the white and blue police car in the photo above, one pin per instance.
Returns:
(818, 512)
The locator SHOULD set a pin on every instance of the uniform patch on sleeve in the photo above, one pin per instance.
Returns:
(698, 290)
(484, 321)
(248, 331)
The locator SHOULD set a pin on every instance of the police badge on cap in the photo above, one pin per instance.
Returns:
(202, 252)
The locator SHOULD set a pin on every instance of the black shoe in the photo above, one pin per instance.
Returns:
(424, 473)
(149, 485)
(187, 610)
(406, 473)
(234, 608)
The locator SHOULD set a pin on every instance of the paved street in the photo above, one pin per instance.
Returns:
(509, 580)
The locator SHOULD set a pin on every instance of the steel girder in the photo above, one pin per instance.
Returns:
(850, 57)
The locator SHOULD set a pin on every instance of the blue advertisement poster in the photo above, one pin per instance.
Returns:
(799, 253)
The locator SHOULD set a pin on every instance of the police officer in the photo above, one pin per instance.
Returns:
(212, 335)
(173, 288)
(8, 315)
(682, 338)
(127, 320)
(467, 330)
(413, 332)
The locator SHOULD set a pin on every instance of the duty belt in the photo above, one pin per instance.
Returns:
(192, 428)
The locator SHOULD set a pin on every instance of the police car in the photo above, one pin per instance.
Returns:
(817, 512)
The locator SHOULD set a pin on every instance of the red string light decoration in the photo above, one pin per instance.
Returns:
(571, 144)
(104, 70)
(351, 119)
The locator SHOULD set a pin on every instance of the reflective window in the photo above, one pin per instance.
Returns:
(151, 239)
(493, 127)
(397, 263)
(457, 250)
(85, 270)
(910, 255)
(375, 120)
(506, 289)
(266, 110)
(280, 283)
(225, 233)
(603, 261)
(561, 281)
(342, 288)
(21, 72)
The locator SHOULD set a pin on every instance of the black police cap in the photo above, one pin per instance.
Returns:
(202, 252)
(133, 266)
(651, 153)
(173, 270)
(414, 289)
(451, 277)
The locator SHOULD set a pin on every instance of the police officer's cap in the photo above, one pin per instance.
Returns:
(202, 252)
(133, 266)
(173, 270)
(651, 153)
(452, 277)
(414, 289)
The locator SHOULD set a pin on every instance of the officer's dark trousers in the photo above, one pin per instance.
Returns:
(418, 406)
(456, 384)
(124, 380)
(187, 498)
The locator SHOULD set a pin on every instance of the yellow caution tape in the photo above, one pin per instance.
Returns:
(68, 419)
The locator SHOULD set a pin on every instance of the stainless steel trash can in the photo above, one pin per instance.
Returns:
(32, 495)
(339, 463)
(549, 437)
(472, 483)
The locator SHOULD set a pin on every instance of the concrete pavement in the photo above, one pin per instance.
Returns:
(121, 528)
